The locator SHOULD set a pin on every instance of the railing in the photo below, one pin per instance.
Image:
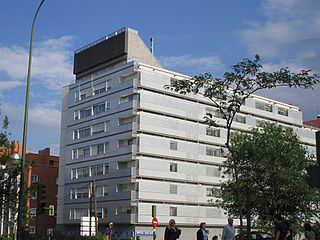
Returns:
(125, 29)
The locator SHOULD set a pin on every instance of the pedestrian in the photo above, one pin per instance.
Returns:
(202, 233)
(308, 233)
(228, 230)
(316, 230)
(289, 235)
(281, 228)
(172, 232)
(215, 237)
(110, 234)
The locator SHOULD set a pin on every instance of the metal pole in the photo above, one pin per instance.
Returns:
(24, 139)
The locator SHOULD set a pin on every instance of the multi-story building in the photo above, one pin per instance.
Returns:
(41, 169)
(314, 123)
(144, 145)
(44, 172)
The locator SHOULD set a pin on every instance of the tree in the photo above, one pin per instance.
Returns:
(8, 178)
(272, 177)
(229, 93)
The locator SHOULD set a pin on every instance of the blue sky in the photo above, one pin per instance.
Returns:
(191, 37)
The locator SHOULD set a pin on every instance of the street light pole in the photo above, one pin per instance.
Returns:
(24, 139)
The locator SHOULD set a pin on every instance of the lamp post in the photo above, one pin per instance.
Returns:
(24, 140)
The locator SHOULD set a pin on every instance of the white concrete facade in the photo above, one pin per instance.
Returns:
(147, 146)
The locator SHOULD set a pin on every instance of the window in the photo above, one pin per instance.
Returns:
(84, 132)
(108, 85)
(82, 172)
(209, 192)
(210, 151)
(263, 106)
(34, 178)
(85, 93)
(32, 229)
(98, 128)
(75, 134)
(86, 112)
(260, 123)
(130, 142)
(107, 147)
(282, 111)
(173, 145)
(212, 172)
(84, 152)
(173, 167)
(125, 99)
(240, 119)
(102, 191)
(173, 211)
(33, 212)
(97, 170)
(99, 88)
(33, 195)
(76, 115)
(74, 154)
(213, 132)
(105, 212)
(219, 114)
(79, 193)
(173, 189)
(78, 213)
(108, 105)
(125, 120)
(99, 108)
(99, 213)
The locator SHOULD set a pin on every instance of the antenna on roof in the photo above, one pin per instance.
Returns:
(151, 45)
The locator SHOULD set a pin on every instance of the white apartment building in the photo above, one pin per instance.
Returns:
(144, 145)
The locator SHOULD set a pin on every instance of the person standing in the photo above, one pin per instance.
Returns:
(281, 228)
(202, 233)
(308, 233)
(110, 234)
(172, 232)
(228, 230)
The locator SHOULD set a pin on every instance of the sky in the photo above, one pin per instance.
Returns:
(190, 37)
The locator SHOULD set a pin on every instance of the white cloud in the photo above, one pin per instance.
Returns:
(51, 62)
(7, 85)
(291, 31)
(207, 63)
(44, 114)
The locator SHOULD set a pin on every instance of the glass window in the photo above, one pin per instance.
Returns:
(212, 132)
(173, 167)
(173, 189)
(240, 119)
(282, 111)
(105, 212)
(84, 132)
(108, 105)
(100, 148)
(130, 142)
(263, 106)
(74, 154)
(32, 229)
(173, 211)
(173, 145)
(76, 115)
(33, 212)
(75, 134)
(98, 128)
(34, 178)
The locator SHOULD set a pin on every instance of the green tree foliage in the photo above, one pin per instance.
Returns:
(229, 93)
(271, 168)
(8, 178)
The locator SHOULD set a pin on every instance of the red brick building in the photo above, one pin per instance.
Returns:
(44, 171)
(314, 123)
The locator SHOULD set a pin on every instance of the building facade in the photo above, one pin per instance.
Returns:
(43, 171)
(144, 145)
